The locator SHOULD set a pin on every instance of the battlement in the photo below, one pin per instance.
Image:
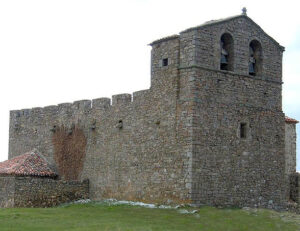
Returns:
(101, 103)
(82, 106)
(121, 99)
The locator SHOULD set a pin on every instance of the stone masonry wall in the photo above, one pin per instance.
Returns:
(39, 192)
(202, 47)
(227, 169)
(294, 187)
(7, 189)
(46, 192)
(290, 148)
(136, 149)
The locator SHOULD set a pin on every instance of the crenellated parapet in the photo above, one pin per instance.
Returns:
(70, 113)
(82, 106)
(101, 103)
(121, 99)
(140, 96)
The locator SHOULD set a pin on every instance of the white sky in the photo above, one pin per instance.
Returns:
(65, 50)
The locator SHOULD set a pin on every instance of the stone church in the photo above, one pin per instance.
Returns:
(210, 130)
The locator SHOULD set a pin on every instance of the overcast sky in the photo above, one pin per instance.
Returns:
(65, 50)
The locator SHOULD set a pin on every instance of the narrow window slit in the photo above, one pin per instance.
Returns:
(243, 130)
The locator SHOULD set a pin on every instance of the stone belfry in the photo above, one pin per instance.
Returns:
(229, 80)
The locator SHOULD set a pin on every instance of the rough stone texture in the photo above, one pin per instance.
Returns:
(40, 191)
(7, 188)
(290, 148)
(179, 141)
(295, 187)
(228, 169)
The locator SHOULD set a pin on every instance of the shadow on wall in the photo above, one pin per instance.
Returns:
(69, 151)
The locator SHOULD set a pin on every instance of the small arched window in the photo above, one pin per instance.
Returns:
(226, 47)
(255, 60)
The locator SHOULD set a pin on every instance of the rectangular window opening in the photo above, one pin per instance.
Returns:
(165, 62)
(243, 130)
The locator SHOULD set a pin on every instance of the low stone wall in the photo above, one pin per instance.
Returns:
(40, 192)
(7, 189)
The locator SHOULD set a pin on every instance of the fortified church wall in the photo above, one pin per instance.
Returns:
(131, 147)
(200, 134)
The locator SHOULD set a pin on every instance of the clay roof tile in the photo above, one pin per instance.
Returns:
(290, 120)
(29, 164)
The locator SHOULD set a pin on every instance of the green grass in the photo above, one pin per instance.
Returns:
(103, 216)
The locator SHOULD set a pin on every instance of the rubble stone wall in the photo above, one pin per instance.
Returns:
(7, 189)
(39, 191)
(47, 192)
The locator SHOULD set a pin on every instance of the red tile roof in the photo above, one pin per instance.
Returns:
(29, 164)
(290, 120)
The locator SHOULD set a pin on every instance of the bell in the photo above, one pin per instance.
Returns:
(224, 59)
(252, 65)
(251, 68)
(251, 51)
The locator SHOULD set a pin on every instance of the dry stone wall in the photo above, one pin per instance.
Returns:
(7, 188)
(40, 191)
(47, 192)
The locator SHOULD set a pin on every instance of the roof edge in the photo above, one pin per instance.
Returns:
(31, 163)
(220, 21)
(289, 120)
(164, 39)
(212, 22)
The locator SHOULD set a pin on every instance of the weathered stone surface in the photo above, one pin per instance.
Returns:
(40, 191)
(7, 190)
(290, 148)
(295, 187)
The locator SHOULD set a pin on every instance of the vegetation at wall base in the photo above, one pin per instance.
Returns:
(103, 216)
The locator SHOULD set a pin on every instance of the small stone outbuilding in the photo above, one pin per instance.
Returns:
(28, 180)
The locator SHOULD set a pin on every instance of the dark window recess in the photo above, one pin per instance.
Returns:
(243, 130)
(165, 62)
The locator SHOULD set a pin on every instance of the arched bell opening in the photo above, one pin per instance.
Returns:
(255, 60)
(226, 47)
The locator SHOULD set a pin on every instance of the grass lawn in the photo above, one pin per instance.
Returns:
(103, 216)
